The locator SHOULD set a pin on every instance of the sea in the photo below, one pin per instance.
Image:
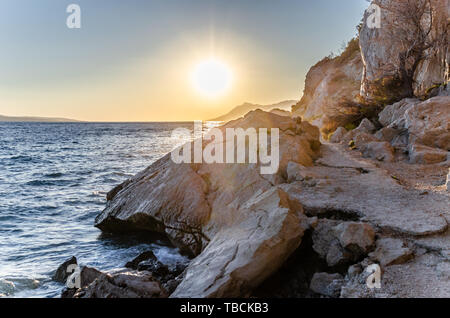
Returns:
(53, 183)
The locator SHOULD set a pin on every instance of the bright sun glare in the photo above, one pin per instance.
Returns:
(212, 78)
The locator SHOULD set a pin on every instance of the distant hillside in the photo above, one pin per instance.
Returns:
(36, 119)
(243, 109)
(281, 112)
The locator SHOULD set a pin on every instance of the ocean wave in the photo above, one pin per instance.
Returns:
(54, 175)
(40, 183)
(21, 158)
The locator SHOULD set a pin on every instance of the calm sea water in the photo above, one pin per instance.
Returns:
(53, 182)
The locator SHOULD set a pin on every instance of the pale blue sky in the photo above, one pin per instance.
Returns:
(136, 54)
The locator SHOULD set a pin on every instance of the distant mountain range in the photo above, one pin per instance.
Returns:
(243, 109)
(36, 119)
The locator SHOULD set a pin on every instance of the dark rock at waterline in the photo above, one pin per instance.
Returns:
(111, 194)
(145, 256)
(84, 277)
(147, 261)
(155, 267)
(123, 285)
(61, 273)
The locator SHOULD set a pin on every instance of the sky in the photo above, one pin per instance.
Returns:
(133, 60)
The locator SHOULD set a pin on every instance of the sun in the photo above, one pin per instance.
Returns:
(212, 78)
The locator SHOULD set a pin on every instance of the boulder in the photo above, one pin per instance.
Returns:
(381, 151)
(323, 236)
(84, 276)
(327, 284)
(338, 135)
(365, 128)
(393, 115)
(123, 285)
(363, 139)
(387, 134)
(220, 213)
(337, 255)
(428, 122)
(426, 155)
(424, 127)
(327, 246)
(62, 273)
(390, 251)
(268, 228)
(145, 256)
(356, 237)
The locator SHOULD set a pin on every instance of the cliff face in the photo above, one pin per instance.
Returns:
(330, 98)
(408, 54)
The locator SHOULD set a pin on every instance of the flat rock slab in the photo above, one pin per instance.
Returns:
(357, 186)
(423, 277)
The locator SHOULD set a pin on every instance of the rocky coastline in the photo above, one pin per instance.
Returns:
(363, 179)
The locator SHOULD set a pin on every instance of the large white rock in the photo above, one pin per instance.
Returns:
(261, 236)
(236, 222)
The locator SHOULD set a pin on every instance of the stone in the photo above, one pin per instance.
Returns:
(84, 276)
(338, 135)
(326, 244)
(356, 237)
(428, 122)
(381, 151)
(337, 255)
(354, 271)
(426, 155)
(61, 273)
(147, 261)
(297, 172)
(387, 134)
(123, 285)
(242, 255)
(327, 284)
(362, 139)
(391, 251)
(369, 192)
(393, 116)
(424, 126)
(323, 236)
(366, 126)
(157, 268)
(210, 210)
(364, 129)
(148, 255)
